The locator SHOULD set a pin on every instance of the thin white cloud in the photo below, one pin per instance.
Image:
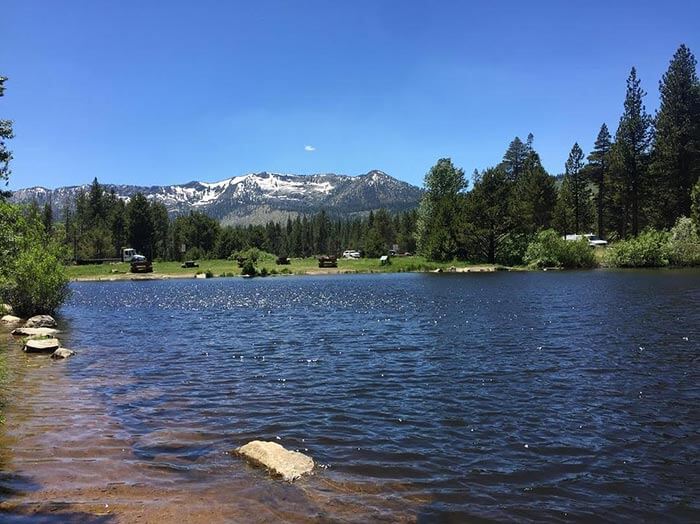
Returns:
(309, 148)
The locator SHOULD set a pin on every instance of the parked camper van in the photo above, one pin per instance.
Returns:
(593, 240)
(129, 255)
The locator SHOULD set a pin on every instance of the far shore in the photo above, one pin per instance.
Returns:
(298, 266)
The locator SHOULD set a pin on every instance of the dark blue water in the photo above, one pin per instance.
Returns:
(519, 396)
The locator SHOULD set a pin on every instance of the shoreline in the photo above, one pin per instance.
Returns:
(80, 464)
(481, 268)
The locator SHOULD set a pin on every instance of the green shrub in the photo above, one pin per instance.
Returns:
(684, 244)
(512, 249)
(248, 268)
(695, 205)
(263, 272)
(194, 253)
(649, 249)
(36, 282)
(549, 249)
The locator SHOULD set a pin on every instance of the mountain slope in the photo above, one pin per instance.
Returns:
(258, 197)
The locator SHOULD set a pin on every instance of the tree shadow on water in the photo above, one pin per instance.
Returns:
(13, 485)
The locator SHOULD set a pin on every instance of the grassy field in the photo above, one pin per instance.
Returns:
(298, 266)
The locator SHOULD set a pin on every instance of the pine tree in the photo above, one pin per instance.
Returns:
(632, 140)
(5, 134)
(578, 185)
(535, 194)
(47, 219)
(489, 215)
(676, 164)
(140, 225)
(599, 170)
(515, 156)
(563, 213)
(439, 211)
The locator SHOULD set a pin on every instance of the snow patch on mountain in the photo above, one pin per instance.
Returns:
(237, 199)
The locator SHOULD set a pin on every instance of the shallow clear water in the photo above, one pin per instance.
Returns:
(508, 395)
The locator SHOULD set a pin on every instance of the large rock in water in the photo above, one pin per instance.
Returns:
(9, 320)
(38, 321)
(287, 464)
(30, 332)
(41, 345)
(62, 353)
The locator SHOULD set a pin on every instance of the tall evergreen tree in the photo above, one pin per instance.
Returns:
(578, 187)
(47, 219)
(599, 170)
(515, 156)
(676, 161)
(5, 134)
(161, 227)
(632, 153)
(535, 194)
(118, 225)
(439, 211)
(489, 214)
(140, 225)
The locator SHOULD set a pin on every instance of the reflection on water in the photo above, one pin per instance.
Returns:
(507, 396)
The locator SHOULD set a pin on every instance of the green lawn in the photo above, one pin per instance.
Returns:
(298, 266)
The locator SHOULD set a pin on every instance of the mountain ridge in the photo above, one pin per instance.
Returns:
(256, 197)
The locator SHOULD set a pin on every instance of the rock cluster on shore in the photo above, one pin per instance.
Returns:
(290, 465)
(40, 331)
(10, 320)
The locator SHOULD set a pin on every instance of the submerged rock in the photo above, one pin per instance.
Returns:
(279, 461)
(62, 353)
(10, 319)
(38, 321)
(41, 345)
(28, 331)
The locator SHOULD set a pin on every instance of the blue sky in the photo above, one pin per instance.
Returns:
(164, 92)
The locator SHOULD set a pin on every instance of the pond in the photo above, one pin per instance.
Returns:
(508, 396)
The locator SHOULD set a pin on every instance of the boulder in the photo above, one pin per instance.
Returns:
(6, 309)
(41, 345)
(28, 332)
(62, 353)
(38, 321)
(279, 461)
(9, 319)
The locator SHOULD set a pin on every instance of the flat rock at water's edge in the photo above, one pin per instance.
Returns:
(279, 461)
(62, 353)
(10, 319)
(41, 345)
(28, 332)
(38, 321)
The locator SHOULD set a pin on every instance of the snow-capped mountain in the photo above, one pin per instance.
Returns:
(258, 197)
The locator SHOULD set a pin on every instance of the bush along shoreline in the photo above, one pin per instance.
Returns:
(679, 247)
(32, 274)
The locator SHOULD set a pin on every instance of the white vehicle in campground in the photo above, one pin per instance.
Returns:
(351, 254)
(593, 240)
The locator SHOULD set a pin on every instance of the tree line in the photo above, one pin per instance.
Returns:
(640, 178)
(645, 177)
(98, 224)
